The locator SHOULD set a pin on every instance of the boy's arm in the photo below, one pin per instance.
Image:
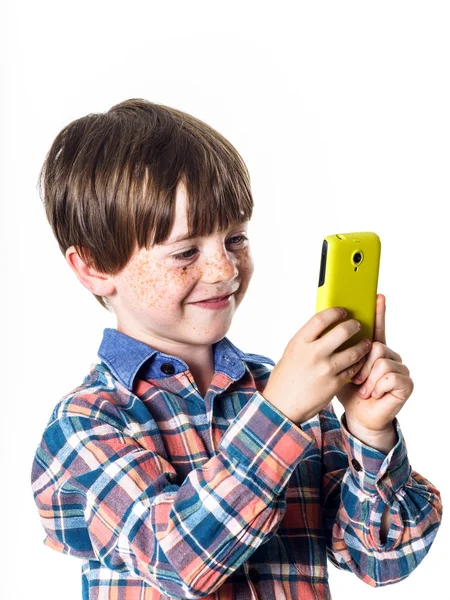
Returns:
(357, 483)
(101, 495)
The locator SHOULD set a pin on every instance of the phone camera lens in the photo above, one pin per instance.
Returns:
(357, 257)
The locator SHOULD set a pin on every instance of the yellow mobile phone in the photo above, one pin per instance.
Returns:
(348, 277)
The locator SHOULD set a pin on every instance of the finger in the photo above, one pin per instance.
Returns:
(377, 351)
(318, 323)
(383, 371)
(399, 386)
(380, 311)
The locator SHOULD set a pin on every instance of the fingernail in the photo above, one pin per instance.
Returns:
(362, 391)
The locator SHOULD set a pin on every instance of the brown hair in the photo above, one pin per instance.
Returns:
(109, 181)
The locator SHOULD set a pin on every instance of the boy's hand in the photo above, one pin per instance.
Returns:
(386, 381)
(311, 372)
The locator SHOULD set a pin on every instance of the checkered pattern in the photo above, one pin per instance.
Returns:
(165, 494)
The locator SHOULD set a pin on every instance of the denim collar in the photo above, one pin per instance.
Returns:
(125, 356)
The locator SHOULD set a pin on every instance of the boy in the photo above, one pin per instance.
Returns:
(183, 467)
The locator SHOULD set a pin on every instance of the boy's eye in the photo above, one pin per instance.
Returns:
(182, 255)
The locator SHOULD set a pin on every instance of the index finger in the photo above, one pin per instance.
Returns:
(379, 334)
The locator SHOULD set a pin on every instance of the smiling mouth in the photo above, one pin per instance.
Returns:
(217, 299)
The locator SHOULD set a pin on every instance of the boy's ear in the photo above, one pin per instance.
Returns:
(97, 283)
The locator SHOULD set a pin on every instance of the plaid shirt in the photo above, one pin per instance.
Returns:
(165, 494)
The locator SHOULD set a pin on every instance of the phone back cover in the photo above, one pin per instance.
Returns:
(353, 286)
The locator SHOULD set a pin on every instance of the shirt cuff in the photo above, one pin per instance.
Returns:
(375, 472)
(262, 439)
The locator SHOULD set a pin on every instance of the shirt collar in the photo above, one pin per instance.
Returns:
(125, 356)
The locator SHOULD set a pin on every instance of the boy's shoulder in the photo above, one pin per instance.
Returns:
(98, 397)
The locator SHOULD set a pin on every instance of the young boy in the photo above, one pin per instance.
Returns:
(183, 467)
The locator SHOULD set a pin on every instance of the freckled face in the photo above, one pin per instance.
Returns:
(155, 290)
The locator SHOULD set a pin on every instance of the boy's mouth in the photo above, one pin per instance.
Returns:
(215, 299)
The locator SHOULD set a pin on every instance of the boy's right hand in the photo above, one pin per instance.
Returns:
(311, 372)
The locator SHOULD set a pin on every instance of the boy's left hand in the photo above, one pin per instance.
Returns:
(386, 381)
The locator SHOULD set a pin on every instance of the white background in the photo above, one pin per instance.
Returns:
(341, 112)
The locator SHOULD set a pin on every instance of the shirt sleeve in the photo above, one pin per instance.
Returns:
(357, 483)
(101, 495)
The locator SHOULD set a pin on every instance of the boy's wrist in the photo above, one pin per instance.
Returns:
(295, 418)
(383, 441)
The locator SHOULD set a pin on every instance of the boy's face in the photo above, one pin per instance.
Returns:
(154, 294)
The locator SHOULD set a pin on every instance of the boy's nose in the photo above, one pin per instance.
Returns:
(221, 267)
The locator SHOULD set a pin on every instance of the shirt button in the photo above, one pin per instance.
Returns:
(167, 368)
(356, 465)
